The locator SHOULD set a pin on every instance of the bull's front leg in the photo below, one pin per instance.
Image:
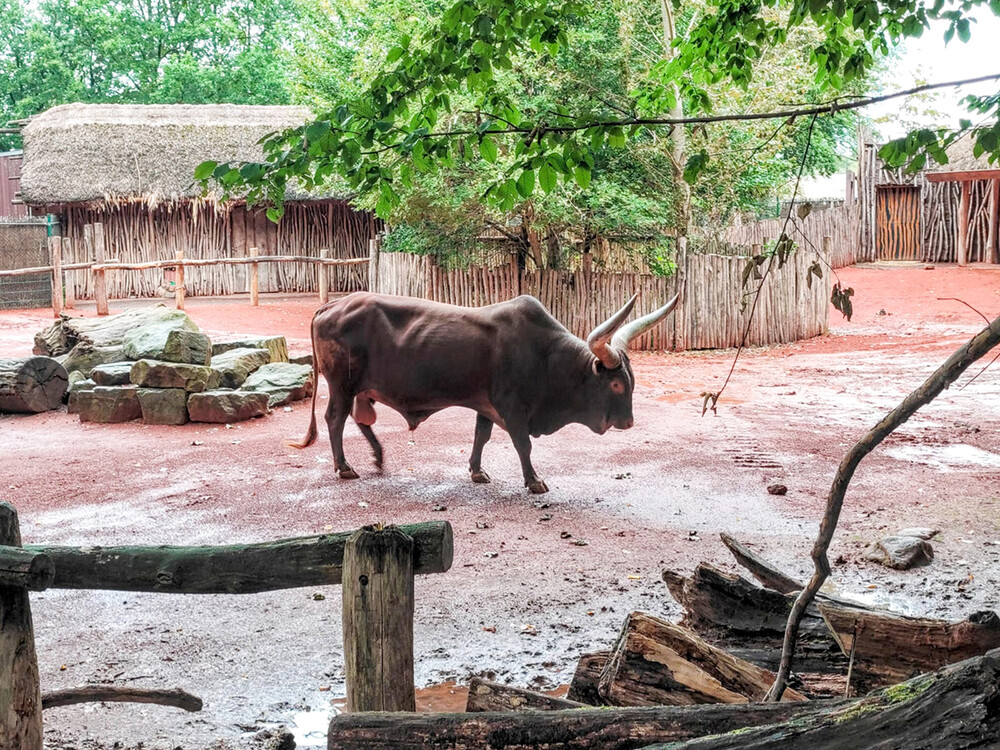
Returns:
(522, 444)
(484, 428)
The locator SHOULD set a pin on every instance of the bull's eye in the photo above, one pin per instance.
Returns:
(617, 386)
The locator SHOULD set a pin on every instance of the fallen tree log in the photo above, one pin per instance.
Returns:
(955, 708)
(175, 697)
(584, 685)
(489, 696)
(32, 385)
(768, 575)
(580, 729)
(654, 662)
(232, 569)
(889, 648)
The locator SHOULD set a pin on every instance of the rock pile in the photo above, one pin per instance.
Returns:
(155, 364)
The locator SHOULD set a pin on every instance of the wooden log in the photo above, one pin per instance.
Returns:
(175, 697)
(953, 709)
(232, 569)
(43, 269)
(34, 571)
(55, 256)
(889, 648)
(20, 695)
(322, 279)
(580, 729)
(584, 687)
(32, 385)
(254, 279)
(249, 261)
(179, 290)
(489, 696)
(100, 280)
(655, 662)
(70, 279)
(768, 575)
(378, 620)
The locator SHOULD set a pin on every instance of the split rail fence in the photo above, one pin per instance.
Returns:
(374, 567)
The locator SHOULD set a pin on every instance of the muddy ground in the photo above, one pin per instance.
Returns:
(521, 601)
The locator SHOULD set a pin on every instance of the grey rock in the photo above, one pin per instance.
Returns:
(168, 344)
(74, 377)
(104, 330)
(226, 406)
(107, 404)
(85, 357)
(116, 373)
(276, 345)
(163, 405)
(921, 532)
(302, 359)
(235, 365)
(77, 385)
(192, 378)
(282, 382)
(901, 552)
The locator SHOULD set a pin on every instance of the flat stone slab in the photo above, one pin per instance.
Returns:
(107, 404)
(235, 365)
(302, 359)
(79, 383)
(85, 357)
(282, 382)
(276, 345)
(163, 405)
(116, 373)
(226, 406)
(191, 378)
(921, 532)
(166, 344)
(901, 552)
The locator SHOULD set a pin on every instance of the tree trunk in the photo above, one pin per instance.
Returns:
(32, 385)
(488, 696)
(657, 663)
(586, 680)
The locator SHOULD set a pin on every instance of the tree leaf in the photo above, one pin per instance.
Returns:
(547, 177)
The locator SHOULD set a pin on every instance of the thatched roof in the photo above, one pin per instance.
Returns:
(97, 153)
(960, 158)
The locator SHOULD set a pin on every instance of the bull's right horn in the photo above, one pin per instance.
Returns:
(600, 338)
(638, 327)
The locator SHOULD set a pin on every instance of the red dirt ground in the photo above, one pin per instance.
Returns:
(652, 497)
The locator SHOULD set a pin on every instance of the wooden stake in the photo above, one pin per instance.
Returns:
(20, 694)
(321, 278)
(254, 279)
(378, 620)
(962, 249)
(179, 281)
(373, 265)
(55, 254)
(993, 219)
(100, 282)
(70, 290)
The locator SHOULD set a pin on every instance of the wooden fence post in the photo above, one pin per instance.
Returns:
(962, 245)
(321, 278)
(179, 281)
(55, 256)
(378, 620)
(373, 265)
(993, 219)
(70, 276)
(96, 235)
(827, 247)
(20, 694)
(254, 279)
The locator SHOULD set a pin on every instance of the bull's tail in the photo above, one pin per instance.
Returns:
(310, 437)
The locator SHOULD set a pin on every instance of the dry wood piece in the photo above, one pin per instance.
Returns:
(580, 729)
(586, 680)
(657, 663)
(32, 385)
(489, 696)
(231, 569)
(175, 697)
(953, 709)
(20, 567)
(768, 575)
(889, 648)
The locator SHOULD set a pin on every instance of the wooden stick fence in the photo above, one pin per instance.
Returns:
(374, 565)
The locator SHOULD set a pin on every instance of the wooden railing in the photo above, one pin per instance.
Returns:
(374, 567)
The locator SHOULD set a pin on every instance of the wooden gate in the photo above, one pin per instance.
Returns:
(897, 218)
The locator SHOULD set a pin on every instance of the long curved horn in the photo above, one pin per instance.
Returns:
(639, 326)
(600, 337)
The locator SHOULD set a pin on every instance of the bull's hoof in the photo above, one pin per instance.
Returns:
(378, 461)
(348, 473)
(480, 477)
(537, 487)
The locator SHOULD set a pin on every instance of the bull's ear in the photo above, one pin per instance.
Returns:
(596, 366)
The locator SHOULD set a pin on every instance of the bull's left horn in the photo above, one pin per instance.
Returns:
(639, 326)
(600, 338)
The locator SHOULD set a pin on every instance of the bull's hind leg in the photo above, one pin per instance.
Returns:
(484, 428)
(336, 417)
(375, 444)
(364, 415)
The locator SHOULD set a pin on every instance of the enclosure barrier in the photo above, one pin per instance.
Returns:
(374, 565)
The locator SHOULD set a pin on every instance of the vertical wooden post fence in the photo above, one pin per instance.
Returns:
(179, 281)
(377, 588)
(254, 279)
(321, 277)
(70, 276)
(55, 254)
(373, 264)
(93, 235)
(20, 694)
(962, 247)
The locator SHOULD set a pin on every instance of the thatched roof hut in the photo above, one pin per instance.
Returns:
(963, 164)
(131, 169)
(94, 153)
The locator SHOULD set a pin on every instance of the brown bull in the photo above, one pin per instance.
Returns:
(512, 363)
